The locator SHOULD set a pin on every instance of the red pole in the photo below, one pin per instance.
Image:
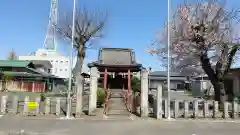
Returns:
(129, 81)
(105, 79)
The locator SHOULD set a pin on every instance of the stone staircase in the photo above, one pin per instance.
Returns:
(116, 105)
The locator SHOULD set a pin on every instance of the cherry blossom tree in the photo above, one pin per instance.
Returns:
(201, 41)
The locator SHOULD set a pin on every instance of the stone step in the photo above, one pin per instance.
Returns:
(118, 112)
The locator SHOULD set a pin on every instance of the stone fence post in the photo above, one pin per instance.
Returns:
(159, 111)
(144, 93)
(25, 109)
(15, 105)
(4, 104)
(93, 91)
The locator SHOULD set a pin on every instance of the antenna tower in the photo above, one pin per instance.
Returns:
(50, 39)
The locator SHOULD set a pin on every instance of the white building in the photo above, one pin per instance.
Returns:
(60, 63)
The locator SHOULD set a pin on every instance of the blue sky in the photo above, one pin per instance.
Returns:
(131, 24)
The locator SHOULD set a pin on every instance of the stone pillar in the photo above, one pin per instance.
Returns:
(176, 108)
(195, 113)
(215, 109)
(236, 87)
(58, 106)
(47, 106)
(93, 90)
(38, 101)
(158, 106)
(186, 108)
(25, 110)
(235, 112)
(144, 93)
(225, 111)
(3, 104)
(15, 105)
(205, 109)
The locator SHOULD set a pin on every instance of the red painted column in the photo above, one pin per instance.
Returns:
(105, 79)
(129, 93)
(129, 81)
(106, 91)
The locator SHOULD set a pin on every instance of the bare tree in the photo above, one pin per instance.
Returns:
(202, 41)
(88, 26)
(12, 55)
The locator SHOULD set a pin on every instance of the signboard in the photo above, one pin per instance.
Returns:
(32, 105)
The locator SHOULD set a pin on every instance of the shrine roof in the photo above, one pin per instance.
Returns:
(116, 57)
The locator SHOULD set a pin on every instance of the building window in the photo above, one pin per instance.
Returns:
(55, 70)
(56, 61)
(66, 62)
(61, 61)
(60, 69)
(180, 86)
(65, 69)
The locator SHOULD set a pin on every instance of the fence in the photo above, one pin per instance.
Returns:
(194, 108)
(15, 106)
(50, 106)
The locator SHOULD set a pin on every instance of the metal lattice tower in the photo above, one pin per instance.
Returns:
(50, 39)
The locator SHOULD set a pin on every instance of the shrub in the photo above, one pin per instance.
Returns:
(42, 96)
(136, 84)
(100, 97)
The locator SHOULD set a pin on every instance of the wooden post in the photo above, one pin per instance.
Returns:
(44, 86)
(33, 86)
(47, 106)
(15, 105)
(25, 111)
(58, 106)
(4, 104)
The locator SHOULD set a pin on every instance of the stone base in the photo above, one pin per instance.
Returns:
(78, 115)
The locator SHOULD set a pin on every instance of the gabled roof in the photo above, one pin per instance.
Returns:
(116, 58)
(16, 63)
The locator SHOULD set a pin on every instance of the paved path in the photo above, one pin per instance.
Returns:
(119, 127)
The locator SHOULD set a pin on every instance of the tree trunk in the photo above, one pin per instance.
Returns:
(79, 84)
(216, 81)
(219, 92)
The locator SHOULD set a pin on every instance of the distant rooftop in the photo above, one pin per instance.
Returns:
(164, 73)
(16, 63)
